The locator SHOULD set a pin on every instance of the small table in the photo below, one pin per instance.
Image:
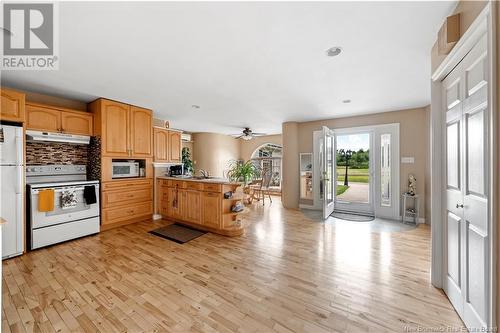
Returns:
(410, 212)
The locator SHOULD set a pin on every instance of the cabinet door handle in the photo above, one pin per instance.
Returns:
(460, 206)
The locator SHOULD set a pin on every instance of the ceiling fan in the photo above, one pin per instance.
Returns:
(247, 134)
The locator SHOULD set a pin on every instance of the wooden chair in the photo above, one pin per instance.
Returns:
(261, 187)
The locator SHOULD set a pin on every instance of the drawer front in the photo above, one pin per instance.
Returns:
(165, 182)
(194, 186)
(122, 197)
(177, 183)
(212, 187)
(127, 184)
(112, 215)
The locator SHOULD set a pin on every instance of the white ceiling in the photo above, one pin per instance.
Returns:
(246, 64)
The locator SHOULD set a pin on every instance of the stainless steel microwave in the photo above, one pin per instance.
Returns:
(125, 169)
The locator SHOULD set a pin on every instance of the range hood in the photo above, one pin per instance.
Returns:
(57, 137)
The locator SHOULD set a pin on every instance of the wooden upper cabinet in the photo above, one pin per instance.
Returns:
(12, 105)
(115, 129)
(48, 118)
(161, 152)
(141, 132)
(125, 130)
(174, 139)
(77, 123)
(43, 118)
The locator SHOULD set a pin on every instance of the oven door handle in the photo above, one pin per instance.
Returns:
(57, 190)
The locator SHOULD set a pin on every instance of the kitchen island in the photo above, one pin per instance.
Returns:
(201, 203)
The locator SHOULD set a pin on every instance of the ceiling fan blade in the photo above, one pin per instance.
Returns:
(258, 134)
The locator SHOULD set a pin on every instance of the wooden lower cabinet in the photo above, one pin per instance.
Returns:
(192, 206)
(199, 205)
(126, 201)
(175, 202)
(211, 208)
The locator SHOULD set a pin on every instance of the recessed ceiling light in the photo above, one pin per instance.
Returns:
(346, 101)
(333, 51)
(194, 106)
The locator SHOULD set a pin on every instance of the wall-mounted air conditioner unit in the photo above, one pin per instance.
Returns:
(186, 137)
(160, 123)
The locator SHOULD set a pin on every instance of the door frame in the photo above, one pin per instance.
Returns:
(484, 23)
(396, 180)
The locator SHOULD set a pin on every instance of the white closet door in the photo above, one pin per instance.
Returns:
(467, 225)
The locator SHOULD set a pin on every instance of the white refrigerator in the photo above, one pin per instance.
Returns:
(12, 188)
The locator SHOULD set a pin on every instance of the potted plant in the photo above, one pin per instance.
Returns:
(242, 171)
(186, 160)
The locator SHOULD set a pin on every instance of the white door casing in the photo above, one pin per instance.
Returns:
(467, 243)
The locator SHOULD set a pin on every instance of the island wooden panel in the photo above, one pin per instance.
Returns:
(200, 205)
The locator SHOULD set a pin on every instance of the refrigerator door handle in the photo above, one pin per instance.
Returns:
(19, 148)
(19, 183)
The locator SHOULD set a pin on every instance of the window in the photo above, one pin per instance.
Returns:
(268, 157)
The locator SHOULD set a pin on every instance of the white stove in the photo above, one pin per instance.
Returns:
(65, 221)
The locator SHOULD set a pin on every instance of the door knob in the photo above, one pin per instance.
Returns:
(460, 206)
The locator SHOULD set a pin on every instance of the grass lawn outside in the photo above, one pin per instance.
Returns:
(341, 189)
(353, 175)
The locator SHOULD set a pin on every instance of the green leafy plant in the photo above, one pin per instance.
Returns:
(242, 171)
(186, 160)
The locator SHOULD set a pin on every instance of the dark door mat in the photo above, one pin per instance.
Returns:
(352, 217)
(177, 233)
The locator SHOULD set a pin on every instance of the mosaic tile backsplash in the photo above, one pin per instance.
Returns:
(43, 153)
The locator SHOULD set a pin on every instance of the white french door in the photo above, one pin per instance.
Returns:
(467, 261)
(327, 160)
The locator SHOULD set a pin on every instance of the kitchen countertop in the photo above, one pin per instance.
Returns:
(200, 180)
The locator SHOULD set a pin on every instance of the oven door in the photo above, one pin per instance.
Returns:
(59, 215)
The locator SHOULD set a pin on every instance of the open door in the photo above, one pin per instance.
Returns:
(328, 181)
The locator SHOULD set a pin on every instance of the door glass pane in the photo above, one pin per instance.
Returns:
(353, 168)
(329, 169)
(385, 169)
(453, 165)
(475, 152)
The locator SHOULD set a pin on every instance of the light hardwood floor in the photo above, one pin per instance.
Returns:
(286, 274)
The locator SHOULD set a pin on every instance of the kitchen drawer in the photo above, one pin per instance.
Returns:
(127, 184)
(112, 215)
(212, 187)
(177, 183)
(123, 197)
(164, 182)
(193, 186)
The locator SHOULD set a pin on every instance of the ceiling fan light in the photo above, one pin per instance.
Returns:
(246, 137)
